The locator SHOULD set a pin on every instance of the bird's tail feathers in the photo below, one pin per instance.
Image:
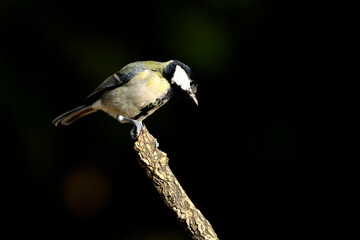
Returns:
(72, 115)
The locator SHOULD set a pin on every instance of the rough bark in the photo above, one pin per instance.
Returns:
(156, 165)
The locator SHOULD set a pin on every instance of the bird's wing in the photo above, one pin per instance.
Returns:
(114, 81)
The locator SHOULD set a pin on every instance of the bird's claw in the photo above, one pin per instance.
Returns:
(138, 126)
(136, 130)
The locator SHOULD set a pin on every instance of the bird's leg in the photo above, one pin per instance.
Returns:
(135, 132)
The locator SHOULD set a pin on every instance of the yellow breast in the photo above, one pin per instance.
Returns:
(157, 83)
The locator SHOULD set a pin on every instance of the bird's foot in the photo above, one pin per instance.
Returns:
(135, 132)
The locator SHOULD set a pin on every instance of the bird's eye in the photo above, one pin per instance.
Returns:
(193, 87)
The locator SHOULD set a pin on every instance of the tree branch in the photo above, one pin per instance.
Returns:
(156, 165)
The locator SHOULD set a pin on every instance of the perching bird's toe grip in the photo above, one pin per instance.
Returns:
(136, 130)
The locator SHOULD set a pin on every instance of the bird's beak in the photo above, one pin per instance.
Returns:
(193, 96)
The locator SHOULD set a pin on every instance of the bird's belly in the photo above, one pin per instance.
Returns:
(128, 100)
(118, 102)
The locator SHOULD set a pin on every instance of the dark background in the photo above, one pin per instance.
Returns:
(253, 157)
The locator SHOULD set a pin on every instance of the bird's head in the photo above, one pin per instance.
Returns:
(180, 77)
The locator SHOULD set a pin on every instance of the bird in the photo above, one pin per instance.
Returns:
(136, 91)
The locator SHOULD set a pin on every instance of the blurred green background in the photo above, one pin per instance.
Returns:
(251, 156)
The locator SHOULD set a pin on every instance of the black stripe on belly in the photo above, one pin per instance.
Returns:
(158, 103)
(144, 111)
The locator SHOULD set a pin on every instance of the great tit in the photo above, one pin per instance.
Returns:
(136, 91)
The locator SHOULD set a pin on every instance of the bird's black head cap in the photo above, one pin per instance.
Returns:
(180, 77)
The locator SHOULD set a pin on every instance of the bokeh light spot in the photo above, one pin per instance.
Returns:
(86, 192)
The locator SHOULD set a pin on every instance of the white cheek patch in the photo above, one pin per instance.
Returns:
(180, 78)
